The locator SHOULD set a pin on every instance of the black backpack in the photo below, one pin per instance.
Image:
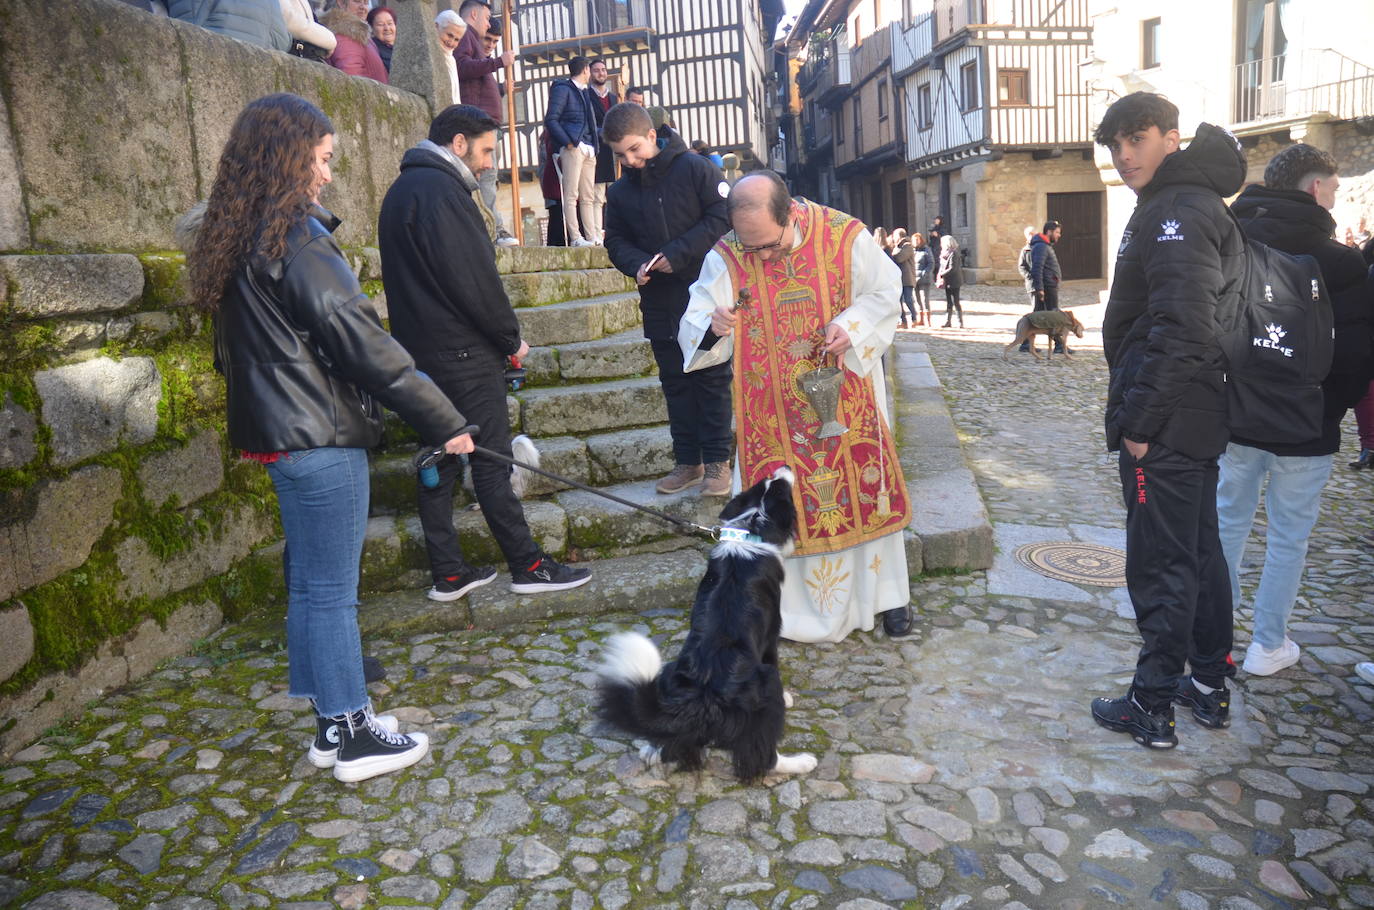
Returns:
(1278, 346)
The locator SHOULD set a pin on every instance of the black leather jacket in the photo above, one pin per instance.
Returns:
(305, 358)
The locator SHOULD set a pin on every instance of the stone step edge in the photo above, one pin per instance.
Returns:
(626, 584)
(597, 300)
(950, 523)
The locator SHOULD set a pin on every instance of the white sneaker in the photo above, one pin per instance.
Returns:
(507, 240)
(1365, 671)
(1260, 661)
(582, 241)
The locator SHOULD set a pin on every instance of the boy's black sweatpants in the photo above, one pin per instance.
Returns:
(1175, 572)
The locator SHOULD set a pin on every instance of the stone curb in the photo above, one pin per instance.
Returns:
(949, 518)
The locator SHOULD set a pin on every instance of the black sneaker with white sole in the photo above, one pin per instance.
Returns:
(452, 587)
(1213, 711)
(548, 574)
(324, 751)
(1125, 715)
(367, 748)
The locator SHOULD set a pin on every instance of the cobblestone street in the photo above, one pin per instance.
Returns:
(958, 767)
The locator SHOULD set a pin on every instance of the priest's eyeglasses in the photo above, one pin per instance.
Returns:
(767, 246)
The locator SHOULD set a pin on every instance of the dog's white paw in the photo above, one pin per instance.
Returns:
(787, 699)
(801, 763)
(650, 754)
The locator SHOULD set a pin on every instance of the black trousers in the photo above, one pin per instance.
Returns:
(699, 406)
(1049, 302)
(1175, 572)
(475, 383)
(952, 304)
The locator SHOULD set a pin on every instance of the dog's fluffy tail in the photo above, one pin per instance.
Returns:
(523, 450)
(629, 657)
(628, 696)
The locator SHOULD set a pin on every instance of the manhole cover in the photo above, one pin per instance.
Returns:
(1080, 563)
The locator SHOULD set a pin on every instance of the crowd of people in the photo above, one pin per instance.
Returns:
(263, 261)
(716, 266)
(937, 261)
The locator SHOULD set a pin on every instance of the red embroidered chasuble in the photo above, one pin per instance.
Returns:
(849, 488)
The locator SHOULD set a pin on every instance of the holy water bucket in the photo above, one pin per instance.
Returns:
(821, 387)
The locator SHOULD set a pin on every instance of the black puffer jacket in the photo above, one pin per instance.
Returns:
(1044, 264)
(1178, 272)
(675, 205)
(443, 291)
(1292, 221)
(304, 355)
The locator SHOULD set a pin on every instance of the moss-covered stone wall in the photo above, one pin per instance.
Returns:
(112, 120)
(127, 525)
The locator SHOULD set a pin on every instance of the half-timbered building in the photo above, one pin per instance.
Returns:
(997, 130)
(706, 62)
(1272, 71)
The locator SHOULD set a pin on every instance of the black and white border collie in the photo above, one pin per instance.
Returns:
(723, 690)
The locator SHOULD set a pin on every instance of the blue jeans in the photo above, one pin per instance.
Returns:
(1290, 505)
(322, 494)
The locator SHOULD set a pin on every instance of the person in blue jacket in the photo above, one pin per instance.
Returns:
(571, 121)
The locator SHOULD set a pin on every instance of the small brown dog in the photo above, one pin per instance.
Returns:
(1053, 324)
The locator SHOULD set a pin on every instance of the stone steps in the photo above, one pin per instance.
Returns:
(536, 289)
(596, 523)
(519, 259)
(617, 356)
(598, 459)
(573, 524)
(585, 319)
(627, 584)
(613, 405)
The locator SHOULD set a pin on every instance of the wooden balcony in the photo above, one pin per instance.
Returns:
(1294, 86)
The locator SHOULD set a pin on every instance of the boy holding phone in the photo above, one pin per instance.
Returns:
(662, 217)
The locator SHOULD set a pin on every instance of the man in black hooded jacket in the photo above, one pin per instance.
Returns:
(1290, 211)
(662, 217)
(449, 309)
(1178, 271)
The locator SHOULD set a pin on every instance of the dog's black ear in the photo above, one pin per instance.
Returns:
(749, 499)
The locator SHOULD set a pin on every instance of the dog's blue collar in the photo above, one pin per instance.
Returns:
(737, 535)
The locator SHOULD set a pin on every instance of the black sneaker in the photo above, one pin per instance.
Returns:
(453, 587)
(324, 751)
(1124, 715)
(1212, 711)
(367, 748)
(547, 574)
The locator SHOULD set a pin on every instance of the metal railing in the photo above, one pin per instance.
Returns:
(1315, 80)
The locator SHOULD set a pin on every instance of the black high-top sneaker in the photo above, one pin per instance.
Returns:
(1212, 711)
(367, 749)
(1125, 715)
(324, 751)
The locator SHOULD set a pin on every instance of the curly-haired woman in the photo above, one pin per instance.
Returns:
(305, 362)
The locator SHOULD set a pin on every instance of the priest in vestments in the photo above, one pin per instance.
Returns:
(794, 287)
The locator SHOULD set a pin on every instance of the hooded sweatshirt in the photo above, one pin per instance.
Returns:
(1178, 272)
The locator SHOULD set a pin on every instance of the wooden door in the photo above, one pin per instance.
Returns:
(1080, 246)
(900, 216)
(875, 206)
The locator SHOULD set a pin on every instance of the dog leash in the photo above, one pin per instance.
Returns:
(687, 527)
